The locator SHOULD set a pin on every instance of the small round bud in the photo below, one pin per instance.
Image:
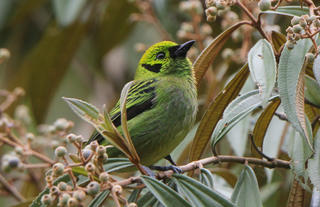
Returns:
(29, 137)
(297, 28)
(132, 205)
(46, 199)
(316, 23)
(71, 138)
(60, 151)
(79, 139)
(13, 162)
(290, 45)
(62, 186)
(101, 150)
(303, 23)
(49, 179)
(93, 188)
(227, 53)
(117, 189)
(18, 150)
(187, 27)
(54, 190)
(220, 5)
(64, 198)
(104, 177)
(73, 202)
(5, 166)
(90, 167)
(297, 37)
(309, 57)
(58, 169)
(264, 5)
(61, 124)
(79, 195)
(311, 19)
(86, 153)
(211, 18)
(212, 11)
(289, 30)
(205, 29)
(54, 144)
(94, 145)
(210, 3)
(296, 20)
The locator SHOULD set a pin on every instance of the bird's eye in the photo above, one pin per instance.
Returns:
(160, 55)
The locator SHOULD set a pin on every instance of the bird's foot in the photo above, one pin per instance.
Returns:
(149, 171)
(175, 169)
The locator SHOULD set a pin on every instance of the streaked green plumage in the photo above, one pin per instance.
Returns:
(162, 103)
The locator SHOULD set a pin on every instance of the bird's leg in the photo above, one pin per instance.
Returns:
(149, 171)
(172, 167)
(169, 158)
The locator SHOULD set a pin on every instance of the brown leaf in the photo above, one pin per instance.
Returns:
(262, 124)
(215, 111)
(207, 56)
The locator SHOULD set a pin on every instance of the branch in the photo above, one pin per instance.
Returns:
(11, 189)
(275, 163)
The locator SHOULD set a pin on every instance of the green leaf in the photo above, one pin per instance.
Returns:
(99, 199)
(134, 195)
(83, 109)
(316, 69)
(199, 194)
(147, 200)
(163, 193)
(237, 110)
(206, 177)
(124, 125)
(291, 85)
(299, 152)
(262, 66)
(215, 111)
(289, 11)
(246, 193)
(262, 124)
(66, 12)
(314, 163)
(312, 90)
(207, 56)
(115, 164)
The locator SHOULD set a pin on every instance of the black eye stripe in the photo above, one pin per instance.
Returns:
(153, 68)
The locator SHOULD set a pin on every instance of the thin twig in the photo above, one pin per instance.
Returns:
(11, 189)
(258, 150)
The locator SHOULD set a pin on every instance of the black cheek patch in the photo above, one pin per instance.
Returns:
(153, 68)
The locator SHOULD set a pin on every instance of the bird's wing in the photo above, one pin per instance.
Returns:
(141, 97)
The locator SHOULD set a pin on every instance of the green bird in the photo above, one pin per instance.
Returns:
(161, 104)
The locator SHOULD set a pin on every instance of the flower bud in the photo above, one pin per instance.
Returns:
(86, 153)
(295, 20)
(90, 167)
(62, 186)
(117, 189)
(104, 177)
(54, 190)
(73, 202)
(290, 45)
(60, 151)
(93, 188)
(29, 137)
(46, 199)
(132, 205)
(58, 169)
(297, 28)
(79, 195)
(64, 199)
(71, 138)
(61, 124)
(264, 5)
(211, 11)
(211, 18)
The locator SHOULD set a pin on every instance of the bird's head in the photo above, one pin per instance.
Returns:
(164, 58)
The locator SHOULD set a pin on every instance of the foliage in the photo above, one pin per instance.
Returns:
(253, 81)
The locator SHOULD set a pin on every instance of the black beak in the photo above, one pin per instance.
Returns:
(181, 50)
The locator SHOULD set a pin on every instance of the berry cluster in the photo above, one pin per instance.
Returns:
(217, 8)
